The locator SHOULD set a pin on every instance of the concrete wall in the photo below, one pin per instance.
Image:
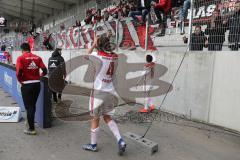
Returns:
(206, 87)
(225, 100)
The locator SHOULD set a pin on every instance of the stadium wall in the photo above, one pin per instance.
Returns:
(206, 87)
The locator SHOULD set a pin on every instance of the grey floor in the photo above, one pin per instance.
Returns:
(178, 139)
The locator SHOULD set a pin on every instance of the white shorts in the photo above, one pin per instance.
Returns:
(102, 103)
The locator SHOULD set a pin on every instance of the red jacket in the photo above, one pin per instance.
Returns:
(28, 68)
(166, 5)
(7, 56)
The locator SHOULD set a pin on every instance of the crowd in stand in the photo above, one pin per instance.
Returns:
(216, 29)
(6, 56)
(158, 10)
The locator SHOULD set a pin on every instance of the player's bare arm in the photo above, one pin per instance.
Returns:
(90, 50)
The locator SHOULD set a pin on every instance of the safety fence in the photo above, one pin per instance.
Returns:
(212, 24)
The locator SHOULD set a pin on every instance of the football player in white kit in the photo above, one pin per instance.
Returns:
(102, 102)
(148, 76)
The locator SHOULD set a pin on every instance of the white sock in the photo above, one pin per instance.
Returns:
(94, 135)
(150, 101)
(114, 128)
(146, 103)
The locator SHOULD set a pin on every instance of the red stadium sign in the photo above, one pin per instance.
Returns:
(130, 36)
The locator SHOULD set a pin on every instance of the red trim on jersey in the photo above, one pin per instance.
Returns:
(27, 67)
(150, 65)
(110, 55)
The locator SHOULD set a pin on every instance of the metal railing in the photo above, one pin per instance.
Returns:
(197, 25)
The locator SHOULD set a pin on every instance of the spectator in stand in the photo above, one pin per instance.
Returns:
(183, 13)
(121, 10)
(234, 28)
(3, 48)
(6, 54)
(143, 8)
(198, 39)
(88, 19)
(77, 24)
(97, 17)
(216, 30)
(111, 37)
(132, 6)
(47, 43)
(162, 7)
(106, 15)
(125, 10)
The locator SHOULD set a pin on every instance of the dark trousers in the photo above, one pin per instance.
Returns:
(161, 20)
(234, 47)
(56, 96)
(30, 94)
(215, 47)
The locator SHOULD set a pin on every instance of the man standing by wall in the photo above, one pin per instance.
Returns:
(216, 29)
(27, 71)
(234, 28)
(56, 61)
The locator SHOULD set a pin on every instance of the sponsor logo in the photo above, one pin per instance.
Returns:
(7, 114)
(32, 65)
(8, 79)
(107, 81)
(53, 65)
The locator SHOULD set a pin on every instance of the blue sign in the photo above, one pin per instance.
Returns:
(2, 56)
(8, 81)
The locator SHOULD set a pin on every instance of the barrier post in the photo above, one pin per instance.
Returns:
(117, 32)
(44, 105)
(190, 25)
(147, 30)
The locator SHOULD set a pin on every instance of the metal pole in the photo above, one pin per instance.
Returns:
(117, 24)
(190, 26)
(146, 35)
(117, 31)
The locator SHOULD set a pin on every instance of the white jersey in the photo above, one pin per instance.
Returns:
(104, 79)
(148, 72)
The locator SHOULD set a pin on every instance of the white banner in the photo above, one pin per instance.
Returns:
(10, 114)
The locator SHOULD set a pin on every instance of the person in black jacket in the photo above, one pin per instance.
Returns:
(198, 40)
(47, 43)
(143, 8)
(216, 30)
(56, 61)
(234, 29)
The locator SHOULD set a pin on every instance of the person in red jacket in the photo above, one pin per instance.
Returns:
(162, 7)
(7, 56)
(28, 74)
